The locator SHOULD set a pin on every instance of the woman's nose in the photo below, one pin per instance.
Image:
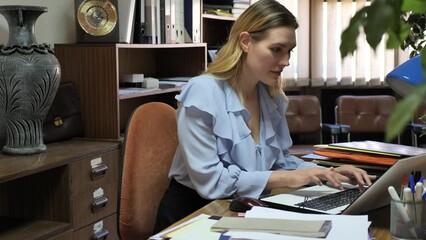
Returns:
(285, 62)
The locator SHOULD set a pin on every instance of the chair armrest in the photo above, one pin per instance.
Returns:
(333, 129)
(345, 129)
(416, 128)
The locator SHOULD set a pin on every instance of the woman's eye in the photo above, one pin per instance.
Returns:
(276, 50)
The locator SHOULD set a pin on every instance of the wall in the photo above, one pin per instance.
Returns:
(57, 25)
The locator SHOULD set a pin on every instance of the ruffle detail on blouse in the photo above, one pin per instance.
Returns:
(277, 135)
(218, 99)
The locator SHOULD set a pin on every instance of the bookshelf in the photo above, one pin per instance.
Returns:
(95, 70)
(215, 29)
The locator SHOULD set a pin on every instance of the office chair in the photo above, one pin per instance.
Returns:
(416, 126)
(305, 124)
(365, 115)
(149, 145)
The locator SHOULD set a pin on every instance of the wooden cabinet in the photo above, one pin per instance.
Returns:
(52, 195)
(95, 69)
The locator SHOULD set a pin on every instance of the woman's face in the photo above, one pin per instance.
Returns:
(267, 57)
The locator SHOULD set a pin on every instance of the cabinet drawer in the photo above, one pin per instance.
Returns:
(107, 171)
(94, 197)
(63, 236)
(105, 229)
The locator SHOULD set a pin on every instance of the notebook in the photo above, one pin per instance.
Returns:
(373, 197)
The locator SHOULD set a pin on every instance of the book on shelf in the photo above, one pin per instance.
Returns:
(139, 26)
(126, 21)
(192, 14)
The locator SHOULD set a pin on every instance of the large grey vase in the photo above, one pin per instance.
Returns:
(29, 78)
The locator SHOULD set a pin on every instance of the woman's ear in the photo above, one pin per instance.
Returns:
(245, 40)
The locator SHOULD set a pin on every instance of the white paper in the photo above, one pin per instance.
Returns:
(347, 227)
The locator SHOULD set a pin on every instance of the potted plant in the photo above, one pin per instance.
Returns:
(404, 23)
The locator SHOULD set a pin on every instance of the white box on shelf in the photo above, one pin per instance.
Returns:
(132, 78)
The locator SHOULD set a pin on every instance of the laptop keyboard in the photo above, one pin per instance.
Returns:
(331, 201)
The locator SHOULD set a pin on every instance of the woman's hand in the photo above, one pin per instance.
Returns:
(333, 176)
(298, 178)
(355, 175)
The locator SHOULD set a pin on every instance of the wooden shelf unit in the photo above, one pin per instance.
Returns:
(95, 69)
(215, 29)
(49, 195)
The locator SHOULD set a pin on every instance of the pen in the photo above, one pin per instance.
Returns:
(402, 211)
(403, 184)
(412, 184)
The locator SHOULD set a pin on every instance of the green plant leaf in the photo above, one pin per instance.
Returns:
(403, 111)
(394, 39)
(379, 16)
(350, 34)
(415, 6)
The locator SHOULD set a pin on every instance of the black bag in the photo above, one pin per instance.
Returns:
(63, 121)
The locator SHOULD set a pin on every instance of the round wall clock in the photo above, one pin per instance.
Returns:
(97, 17)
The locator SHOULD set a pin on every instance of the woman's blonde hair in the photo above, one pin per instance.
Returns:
(256, 20)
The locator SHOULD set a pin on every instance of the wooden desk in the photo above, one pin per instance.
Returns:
(379, 218)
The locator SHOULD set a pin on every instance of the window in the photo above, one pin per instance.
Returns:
(317, 60)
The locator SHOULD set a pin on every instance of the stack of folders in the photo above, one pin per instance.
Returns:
(374, 157)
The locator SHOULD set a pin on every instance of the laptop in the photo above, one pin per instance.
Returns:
(374, 197)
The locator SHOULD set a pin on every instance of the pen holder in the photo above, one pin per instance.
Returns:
(408, 219)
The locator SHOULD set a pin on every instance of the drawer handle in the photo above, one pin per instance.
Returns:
(99, 171)
(102, 234)
(99, 203)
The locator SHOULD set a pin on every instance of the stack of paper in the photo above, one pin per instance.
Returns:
(347, 227)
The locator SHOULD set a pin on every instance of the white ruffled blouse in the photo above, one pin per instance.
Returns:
(216, 154)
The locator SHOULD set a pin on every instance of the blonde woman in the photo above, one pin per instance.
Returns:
(233, 135)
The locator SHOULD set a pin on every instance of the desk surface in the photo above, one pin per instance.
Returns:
(379, 218)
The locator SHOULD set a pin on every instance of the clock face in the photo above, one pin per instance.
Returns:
(97, 17)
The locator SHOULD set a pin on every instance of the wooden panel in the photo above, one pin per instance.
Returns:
(83, 187)
(109, 224)
(93, 68)
(67, 235)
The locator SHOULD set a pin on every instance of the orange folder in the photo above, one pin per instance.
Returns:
(358, 157)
